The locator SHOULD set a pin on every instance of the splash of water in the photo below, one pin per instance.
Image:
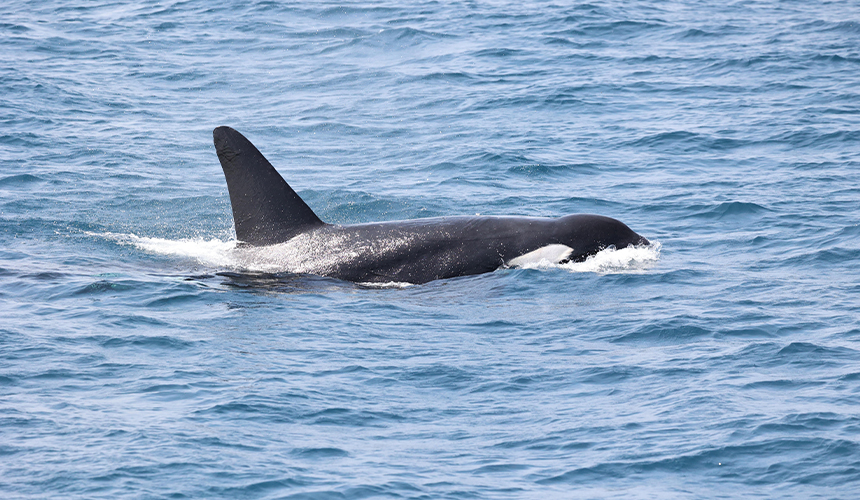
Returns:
(213, 252)
(610, 261)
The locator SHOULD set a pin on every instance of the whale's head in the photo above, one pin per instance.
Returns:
(588, 234)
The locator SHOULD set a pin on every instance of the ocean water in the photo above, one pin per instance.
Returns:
(140, 359)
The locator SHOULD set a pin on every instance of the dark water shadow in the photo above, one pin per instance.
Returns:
(282, 282)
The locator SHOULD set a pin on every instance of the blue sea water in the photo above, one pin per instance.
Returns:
(138, 359)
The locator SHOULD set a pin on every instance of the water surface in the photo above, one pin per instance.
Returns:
(137, 360)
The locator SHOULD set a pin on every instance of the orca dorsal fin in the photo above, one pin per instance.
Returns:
(266, 210)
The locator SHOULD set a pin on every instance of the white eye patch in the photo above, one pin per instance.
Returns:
(550, 253)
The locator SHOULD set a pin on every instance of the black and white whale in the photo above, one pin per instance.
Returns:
(266, 211)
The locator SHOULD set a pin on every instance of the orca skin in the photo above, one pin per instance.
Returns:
(266, 211)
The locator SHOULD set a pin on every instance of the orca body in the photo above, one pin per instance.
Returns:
(266, 211)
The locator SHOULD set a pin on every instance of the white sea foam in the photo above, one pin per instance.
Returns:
(307, 253)
(610, 261)
(387, 284)
(213, 252)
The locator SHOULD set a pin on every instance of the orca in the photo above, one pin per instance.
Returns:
(267, 212)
